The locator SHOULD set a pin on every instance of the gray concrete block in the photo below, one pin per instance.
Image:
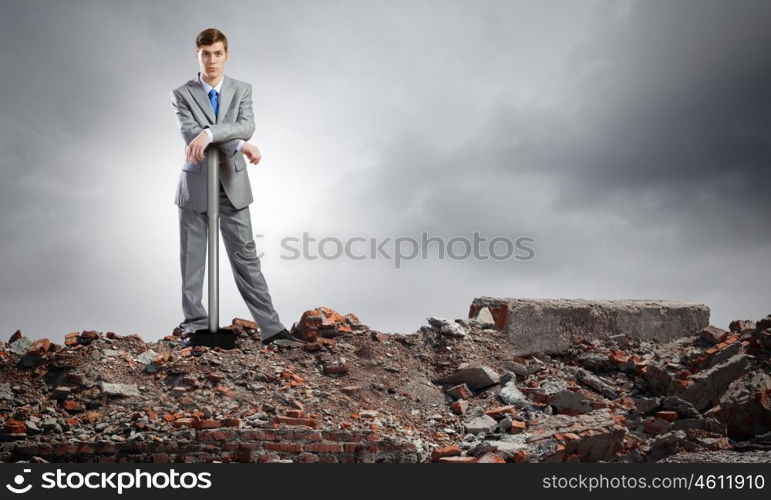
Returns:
(553, 325)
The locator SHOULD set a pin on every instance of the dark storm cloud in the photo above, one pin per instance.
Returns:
(679, 110)
(671, 101)
(645, 170)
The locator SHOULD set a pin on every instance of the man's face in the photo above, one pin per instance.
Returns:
(211, 60)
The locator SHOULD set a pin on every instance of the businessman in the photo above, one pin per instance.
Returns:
(214, 110)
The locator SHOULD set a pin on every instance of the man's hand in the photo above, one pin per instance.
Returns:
(196, 148)
(251, 152)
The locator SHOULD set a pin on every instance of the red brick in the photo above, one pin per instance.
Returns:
(501, 411)
(307, 458)
(85, 449)
(214, 435)
(491, 458)
(619, 358)
(89, 335)
(303, 435)
(225, 390)
(208, 423)
(517, 426)
(267, 457)
(243, 457)
(72, 405)
(183, 422)
(15, 427)
(245, 323)
(459, 407)
(324, 447)
(445, 451)
(64, 450)
(336, 369)
(106, 448)
(389, 445)
(457, 460)
(364, 449)
(669, 416)
(656, 426)
(521, 456)
(285, 447)
(351, 447)
(573, 458)
(261, 435)
(337, 435)
(295, 421)
(460, 391)
(39, 347)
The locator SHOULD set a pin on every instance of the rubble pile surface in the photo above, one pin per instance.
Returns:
(450, 392)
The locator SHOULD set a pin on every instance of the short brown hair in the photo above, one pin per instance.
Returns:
(210, 36)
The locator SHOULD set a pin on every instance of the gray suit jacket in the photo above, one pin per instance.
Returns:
(234, 121)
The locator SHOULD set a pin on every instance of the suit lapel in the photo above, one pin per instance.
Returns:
(226, 95)
(196, 90)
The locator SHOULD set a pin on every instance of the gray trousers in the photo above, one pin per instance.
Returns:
(236, 230)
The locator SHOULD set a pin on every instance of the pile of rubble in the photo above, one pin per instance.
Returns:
(450, 392)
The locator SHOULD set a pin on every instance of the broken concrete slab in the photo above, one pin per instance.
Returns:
(587, 438)
(596, 383)
(145, 357)
(683, 408)
(569, 402)
(508, 446)
(477, 377)
(421, 389)
(119, 390)
(21, 345)
(511, 395)
(746, 406)
(710, 385)
(712, 334)
(553, 325)
(5, 391)
(447, 327)
(477, 425)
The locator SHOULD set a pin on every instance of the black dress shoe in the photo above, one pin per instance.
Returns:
(285, 337)
(187, 341)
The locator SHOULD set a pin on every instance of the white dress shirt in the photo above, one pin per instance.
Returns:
(207, 88)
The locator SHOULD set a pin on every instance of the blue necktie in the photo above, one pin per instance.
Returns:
(214, 102)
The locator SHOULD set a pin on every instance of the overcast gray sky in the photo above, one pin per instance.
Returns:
(630, 139)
